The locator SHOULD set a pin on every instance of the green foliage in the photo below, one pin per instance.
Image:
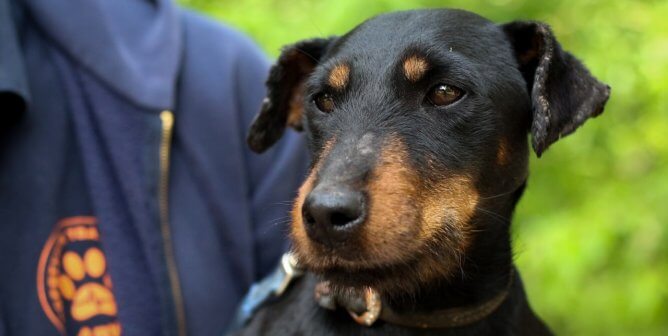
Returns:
(591, 232)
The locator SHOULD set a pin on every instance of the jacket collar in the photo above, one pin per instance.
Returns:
(14, 93)
(132, 46)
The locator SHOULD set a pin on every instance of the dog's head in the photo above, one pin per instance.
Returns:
(418, 125)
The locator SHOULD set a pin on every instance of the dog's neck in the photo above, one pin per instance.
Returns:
(478, 281)
(485, 271)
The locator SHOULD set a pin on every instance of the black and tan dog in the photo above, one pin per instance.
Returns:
(418, 125)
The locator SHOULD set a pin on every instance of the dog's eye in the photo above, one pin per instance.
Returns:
(443, 94)
(325, 102)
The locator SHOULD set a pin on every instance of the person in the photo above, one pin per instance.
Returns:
(128, 199)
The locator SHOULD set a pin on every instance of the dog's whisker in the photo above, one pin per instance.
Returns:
(494, 215)
(280, 221)
(499, 195)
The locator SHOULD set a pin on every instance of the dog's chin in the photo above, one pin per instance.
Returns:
(380, 278)
(388, 277)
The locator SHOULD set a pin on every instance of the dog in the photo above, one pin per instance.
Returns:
(418, 123)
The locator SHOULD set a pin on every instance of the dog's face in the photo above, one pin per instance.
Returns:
(418, 122)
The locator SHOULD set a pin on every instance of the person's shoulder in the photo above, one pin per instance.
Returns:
(215, 35)
(222, 65)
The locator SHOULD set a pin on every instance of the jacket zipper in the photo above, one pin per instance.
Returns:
(167, 119)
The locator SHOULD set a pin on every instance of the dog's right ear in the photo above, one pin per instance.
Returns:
(284, 104)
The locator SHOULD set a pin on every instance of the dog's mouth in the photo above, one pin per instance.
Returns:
(347, 257)
(386, 265)
(357, 272)
(368, 251)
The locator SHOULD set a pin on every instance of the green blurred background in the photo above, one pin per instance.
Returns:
(591, 235)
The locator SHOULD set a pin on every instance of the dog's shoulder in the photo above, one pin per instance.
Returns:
(293, 313)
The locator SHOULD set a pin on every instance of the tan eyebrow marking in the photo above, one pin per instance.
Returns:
(415, 67)
(339, 76)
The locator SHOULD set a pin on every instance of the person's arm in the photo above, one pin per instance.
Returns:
(275, 175)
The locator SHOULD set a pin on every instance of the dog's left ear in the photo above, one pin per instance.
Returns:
(563, 92)
(283, 105)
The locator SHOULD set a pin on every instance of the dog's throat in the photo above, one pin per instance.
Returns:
(366, 307)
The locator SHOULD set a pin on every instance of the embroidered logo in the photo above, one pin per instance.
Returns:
(73, 284)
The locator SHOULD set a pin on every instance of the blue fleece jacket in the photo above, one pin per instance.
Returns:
(128, 199)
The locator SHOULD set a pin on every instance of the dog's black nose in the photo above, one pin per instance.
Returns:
(331, 215)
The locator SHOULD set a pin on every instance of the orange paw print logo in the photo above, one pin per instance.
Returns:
(73, 284)
(89, 298)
